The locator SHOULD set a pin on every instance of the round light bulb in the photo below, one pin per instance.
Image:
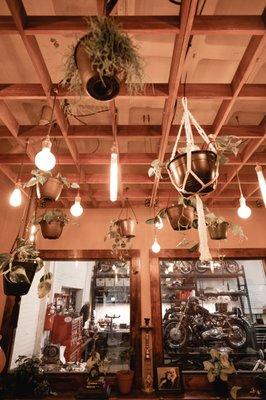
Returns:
(45, 160)
(33, 229)
(155, 246)
(158, 222)
(243, 211)
(15, 199)
(76, 209)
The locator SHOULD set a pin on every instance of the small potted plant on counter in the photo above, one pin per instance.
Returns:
(52, 223)
(125, 376)
(19, 267)
(49, 188)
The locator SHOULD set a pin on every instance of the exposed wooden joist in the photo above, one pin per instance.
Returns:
(202, 25)
(220, 91)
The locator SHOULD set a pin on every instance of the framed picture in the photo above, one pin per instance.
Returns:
(169, 379)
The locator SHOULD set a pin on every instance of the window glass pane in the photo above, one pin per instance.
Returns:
(219, 304)
(87, 310)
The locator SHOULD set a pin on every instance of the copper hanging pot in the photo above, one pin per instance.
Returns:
(126, 227)
(99, 87)
(50, 190)
(20, 288)
(180, 217)
(218, 231)
(51, 230)
(203, 164)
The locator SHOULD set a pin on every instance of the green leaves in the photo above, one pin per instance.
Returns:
(155, 169)
(226, 146)
(18, 274)
(53, 215)
(45, 284)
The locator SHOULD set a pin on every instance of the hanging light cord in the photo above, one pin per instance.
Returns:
(239, 185)
(22, 164)
(52, 114)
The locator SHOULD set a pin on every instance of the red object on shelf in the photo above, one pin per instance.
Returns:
(67, 332)
(49, 318)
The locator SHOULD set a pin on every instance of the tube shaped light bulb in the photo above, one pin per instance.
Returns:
(45, 160)
(15, 199)
(243, 211)
(76, 209)
(155, 246)
(262, 183)
(114, 175)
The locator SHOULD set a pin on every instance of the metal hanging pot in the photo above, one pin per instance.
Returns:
(100, 88)
(20, 288)
(126, 227)
(51, 230)
(180, 217)
(50, 190)
(203, 164)
(218, 231)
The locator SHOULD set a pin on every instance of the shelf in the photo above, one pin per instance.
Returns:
(201, 276)
(184, 287)
(215, 294)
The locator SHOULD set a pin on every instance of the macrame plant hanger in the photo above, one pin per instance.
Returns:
(186, 121)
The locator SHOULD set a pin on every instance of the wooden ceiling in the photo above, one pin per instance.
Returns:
(224, 69)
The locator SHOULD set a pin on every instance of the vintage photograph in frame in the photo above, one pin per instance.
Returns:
(169, 379)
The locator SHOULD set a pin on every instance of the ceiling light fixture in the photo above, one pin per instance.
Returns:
(243, 211)
(262, 182)
(155, 246)
(15, 198)
(114, 174)
(76, 209)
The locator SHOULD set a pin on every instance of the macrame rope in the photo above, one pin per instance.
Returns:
(204, 250)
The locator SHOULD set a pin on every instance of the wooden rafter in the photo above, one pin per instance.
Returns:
(187, 14)
(202, 25)
(211, 91)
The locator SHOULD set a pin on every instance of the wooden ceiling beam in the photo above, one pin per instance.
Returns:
(202, 25)
(208, 91)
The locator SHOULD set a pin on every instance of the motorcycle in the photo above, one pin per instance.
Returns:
(186, 267)
(194, 323)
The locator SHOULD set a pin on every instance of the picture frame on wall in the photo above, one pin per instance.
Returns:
(169, 379)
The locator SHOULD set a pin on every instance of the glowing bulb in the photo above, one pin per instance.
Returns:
(32, 238)
(158, 222)
(76, 209)
(262, 183)
(114, 267)
(45, 160)
(212, 267)
(15, 199)
(155, 246)
(114, 175)
(33, 229)
(243, 211)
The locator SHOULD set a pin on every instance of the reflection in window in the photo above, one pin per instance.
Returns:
(87, 311)
(217, 304)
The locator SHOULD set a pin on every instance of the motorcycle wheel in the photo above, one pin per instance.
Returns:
(199, 267)
(174, 338)
(185, 267)
(232, 267)
(238, 339)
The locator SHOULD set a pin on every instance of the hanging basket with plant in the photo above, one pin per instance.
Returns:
(52, 223)
(48, 188)
(19, 267)
(102, 59)
(218, 227)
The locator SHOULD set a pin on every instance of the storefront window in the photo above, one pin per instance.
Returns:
(217, 304)
(86, 312)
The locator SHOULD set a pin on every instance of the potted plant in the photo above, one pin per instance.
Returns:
(18, 268)
(218, 227)
(101, 59)
(52, 223)
(28, 379)
(48, 188)
(120, 241)
(219, 368)
(125, 376)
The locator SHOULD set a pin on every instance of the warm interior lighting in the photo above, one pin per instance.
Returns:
(155, 246)
(15, 199)
(243, 211)
(262, 183)
(158, 222)
(33, 231)
(76, 209)
(45, 160)
(114, 174)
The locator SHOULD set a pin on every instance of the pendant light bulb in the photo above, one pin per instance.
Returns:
(45, 160)
(15, 199)
(243, 211)
(158, 222)
(114, 174)
(76, 209)
(262, 183)
(155, 246)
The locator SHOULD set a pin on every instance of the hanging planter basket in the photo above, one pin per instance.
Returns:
(99, 87)
(50, 191)
(20, 288)
(180, 217)
(126, 227)
(218, 231)
(52, 229)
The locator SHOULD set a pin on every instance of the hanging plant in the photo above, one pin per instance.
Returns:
(120, 243)
(101, 59)
(49, 188)
(19, 267)
(219, 226)
(52, 223)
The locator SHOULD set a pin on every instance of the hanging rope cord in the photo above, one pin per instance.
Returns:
(126, 206)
